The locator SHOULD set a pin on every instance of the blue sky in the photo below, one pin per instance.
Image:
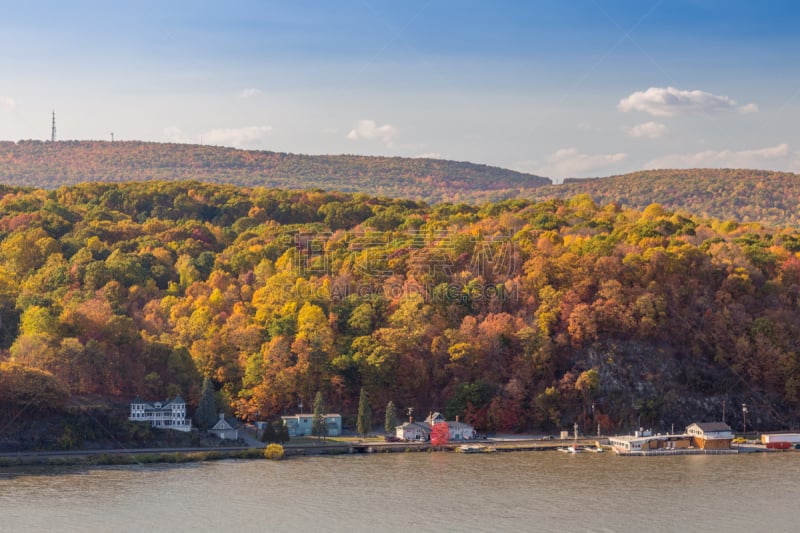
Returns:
(560, 88)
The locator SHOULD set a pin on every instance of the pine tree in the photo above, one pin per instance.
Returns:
(390, 422)
(318, 426)
(364, 419)
(269, 433)
(206, 414)
(281, 431)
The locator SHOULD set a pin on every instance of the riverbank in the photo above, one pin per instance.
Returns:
(300, 448)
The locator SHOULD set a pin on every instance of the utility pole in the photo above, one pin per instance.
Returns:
(53, 129)
(744, 419)
(112, 136)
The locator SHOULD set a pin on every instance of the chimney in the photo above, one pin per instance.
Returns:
(456, 418)
(221, 415)
(410, 419)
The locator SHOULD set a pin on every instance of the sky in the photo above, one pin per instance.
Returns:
(570, 88)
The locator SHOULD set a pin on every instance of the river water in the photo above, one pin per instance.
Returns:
(523, 491)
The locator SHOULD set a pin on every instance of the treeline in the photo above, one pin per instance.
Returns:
(51, 165)
(727, 194)
(513, 315)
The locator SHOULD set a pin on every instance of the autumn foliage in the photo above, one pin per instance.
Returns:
(440, 434)
(513, 315)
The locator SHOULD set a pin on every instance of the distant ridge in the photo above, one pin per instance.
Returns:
(727, 194)
(53, 164)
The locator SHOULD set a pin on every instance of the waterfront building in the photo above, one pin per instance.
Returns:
(411, 430)
(170, 414)
(711, 435)
(456, 430)
(301, 425)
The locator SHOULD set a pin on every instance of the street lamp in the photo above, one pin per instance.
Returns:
(744, 419)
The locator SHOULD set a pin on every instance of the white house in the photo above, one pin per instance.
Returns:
(225, 429)
(413, 431)
(302, 425)
(170, 414)
(456, 430)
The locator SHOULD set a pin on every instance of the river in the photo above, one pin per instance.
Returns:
(523, 491)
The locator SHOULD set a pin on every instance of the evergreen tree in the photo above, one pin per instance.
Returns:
(206, 414)
(364, 419)
(281, 431)
(269, 433)
(390, 422)
(318, 427)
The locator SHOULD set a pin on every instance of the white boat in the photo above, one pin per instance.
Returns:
(475, 448)
(571, 449)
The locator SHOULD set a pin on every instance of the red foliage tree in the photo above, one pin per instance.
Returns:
(440, 434)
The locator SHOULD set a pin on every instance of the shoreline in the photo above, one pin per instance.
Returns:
(194, 455)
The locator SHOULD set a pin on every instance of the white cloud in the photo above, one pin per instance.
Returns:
(236, 137)
(748, 108)
(250, 93)
(7, 103)
(647, 130)
(370, 131)
(570, 163)
(669, 101)
(774, 156)
(429, 155)
(174, 134)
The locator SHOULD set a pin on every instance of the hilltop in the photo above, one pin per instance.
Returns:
(726, 194)
(51, 165)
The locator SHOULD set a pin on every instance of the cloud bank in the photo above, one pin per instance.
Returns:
(570, 163)
(760, 158)
(249, 136)
(647, 130)
(669, 101)
(237, 137)
(370, 131)
(250, 93)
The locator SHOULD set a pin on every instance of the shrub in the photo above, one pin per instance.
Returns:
(273, 452)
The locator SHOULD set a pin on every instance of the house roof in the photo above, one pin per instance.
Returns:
(420, 425)
(712, 426)
(224, 424)
(459, 425)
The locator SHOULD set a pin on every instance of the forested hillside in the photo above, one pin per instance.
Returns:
(513, 315)
(51, 165)
(735, 194)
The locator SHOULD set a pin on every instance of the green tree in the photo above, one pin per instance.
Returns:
(390, 421)
(206, 414)
(281, 431)
(318, 426)
(269, 433)
(364, 418)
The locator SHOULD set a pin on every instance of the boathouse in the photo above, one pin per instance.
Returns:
(710, 435)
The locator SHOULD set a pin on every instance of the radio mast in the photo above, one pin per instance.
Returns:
(53, 130)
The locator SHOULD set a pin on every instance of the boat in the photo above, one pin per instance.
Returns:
(595, 449)
(475, 448)
(572, 449)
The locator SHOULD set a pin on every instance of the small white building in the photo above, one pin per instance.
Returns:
(170, 414)
(225, 429)
(419, 431)
(303, 425)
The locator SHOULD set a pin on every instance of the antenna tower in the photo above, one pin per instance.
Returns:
(53, 130)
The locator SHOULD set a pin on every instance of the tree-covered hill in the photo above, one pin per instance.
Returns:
(736, 194)
(51, 165)
(513, 315)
